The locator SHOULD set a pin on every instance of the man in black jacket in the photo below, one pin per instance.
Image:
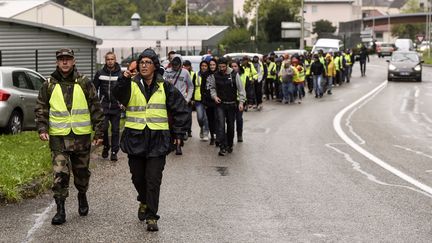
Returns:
(105, 80)
(227, 91)
(149, 102)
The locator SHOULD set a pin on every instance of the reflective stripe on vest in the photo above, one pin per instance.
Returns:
(197, 93)
(61, 121)
(153, 114)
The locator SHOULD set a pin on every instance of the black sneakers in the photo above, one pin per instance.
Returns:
(114, 156)
(105, 153)
(222, 152)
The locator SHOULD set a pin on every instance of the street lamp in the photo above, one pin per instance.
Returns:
(302, 26)
(388, 27)
(187, 29)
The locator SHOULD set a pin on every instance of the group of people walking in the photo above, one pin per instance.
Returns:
(158, 103)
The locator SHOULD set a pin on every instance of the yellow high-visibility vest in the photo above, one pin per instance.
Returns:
(348, 59)
(271, 67)
(153, 114)
(61, 121)
(197, 93)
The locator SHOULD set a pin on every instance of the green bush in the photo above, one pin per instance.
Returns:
(25, 165)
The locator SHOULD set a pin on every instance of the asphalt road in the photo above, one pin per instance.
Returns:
(313, 172)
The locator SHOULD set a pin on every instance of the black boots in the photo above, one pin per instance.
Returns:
(105, 153)
(114, 156)
(60, 216)
(83, 207)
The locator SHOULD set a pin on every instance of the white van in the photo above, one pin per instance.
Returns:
(404, 45)
(328, 45)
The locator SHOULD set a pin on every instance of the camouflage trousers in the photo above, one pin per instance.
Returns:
(70, 154)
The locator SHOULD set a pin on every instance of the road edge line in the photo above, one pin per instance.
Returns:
(337, 127)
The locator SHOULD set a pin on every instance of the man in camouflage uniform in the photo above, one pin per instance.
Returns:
(67, 111)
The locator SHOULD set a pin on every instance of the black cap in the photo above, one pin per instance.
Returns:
(64, 52)
(149, 53)
(187, 63)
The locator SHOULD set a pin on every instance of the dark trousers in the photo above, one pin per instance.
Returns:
(114, 119)
(269, 88)
(363, 68)
(239, 122)
(147, 179)
(211, 117)
(309, 82)
(189, 123)
(258, 92)
(225, 115)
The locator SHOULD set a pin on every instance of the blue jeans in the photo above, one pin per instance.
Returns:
(317, 79)
(298, 90)
(202, 117)
(286, 91)
(329, 84)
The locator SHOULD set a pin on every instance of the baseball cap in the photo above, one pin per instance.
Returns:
(64, 52)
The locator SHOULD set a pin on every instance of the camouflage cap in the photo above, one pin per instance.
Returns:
(65, 52)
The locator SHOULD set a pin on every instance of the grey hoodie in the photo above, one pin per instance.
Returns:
(181, 79)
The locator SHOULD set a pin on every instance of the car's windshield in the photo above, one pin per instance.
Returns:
(400, 57)
(326, 49)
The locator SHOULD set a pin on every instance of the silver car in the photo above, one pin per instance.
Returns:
(19, 88)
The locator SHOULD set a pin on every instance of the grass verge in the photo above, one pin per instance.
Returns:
(25, 166)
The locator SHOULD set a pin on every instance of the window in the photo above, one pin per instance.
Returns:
(314, 8)
(36, 80)
(422, 5)
(20, 80)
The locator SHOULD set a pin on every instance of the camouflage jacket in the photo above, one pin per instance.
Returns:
(67, 85)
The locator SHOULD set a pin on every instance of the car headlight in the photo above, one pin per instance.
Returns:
(392, 67)
(417, 68)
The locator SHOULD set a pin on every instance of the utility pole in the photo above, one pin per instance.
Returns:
(256, 26)
(93, 18)
(373, 20)
(302, 26)
(187, 29)
(428, 28)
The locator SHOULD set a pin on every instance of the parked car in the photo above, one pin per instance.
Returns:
(240, 55)
(384, 49)
(19, 88)
(328, 45)
(404, 45)
(405, 65)
(424, 46)
(291, 52)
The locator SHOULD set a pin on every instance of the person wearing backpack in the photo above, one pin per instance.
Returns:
(67, 110)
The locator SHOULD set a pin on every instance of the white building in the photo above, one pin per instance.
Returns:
(335, 11)
(43, 12)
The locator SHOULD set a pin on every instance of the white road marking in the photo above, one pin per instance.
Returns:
(38, 222)
(367, 154)
(356, 166)
(414, 151)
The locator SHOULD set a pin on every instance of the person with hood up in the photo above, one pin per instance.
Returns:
(104, 81)
(181, 79)
(148, 136)
(229, 94)
(200, 76)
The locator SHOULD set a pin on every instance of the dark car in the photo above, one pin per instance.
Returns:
(404, 65)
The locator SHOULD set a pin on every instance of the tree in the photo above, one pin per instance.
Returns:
(176, 15)
(409, 30)
(323, 28)
(270, 15)
(236, 39)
